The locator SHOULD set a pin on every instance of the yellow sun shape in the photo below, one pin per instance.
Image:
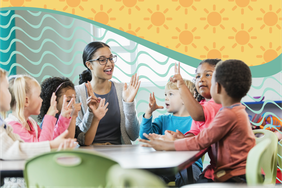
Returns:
(157, 19)
(270, 18)
(129, 4)
(186, 37)
(242, 37)
(102, 17)
(185, 4)
(131, 31)
(17, 3)
(214, 53)
(269, 54)
(214, 18)
(73, 4)
(242, 4)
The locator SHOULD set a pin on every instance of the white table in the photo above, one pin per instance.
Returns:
(128, 156)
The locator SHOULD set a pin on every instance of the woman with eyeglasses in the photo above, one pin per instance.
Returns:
(120, 124)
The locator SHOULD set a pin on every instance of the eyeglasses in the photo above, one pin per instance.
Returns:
(103, 61)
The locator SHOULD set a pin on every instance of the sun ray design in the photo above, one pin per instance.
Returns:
(214, 52)
(129, 4)
(16, 3)
(185, 4)
(242, 5)
(158, 18)
(242, 37)
(73, 4)
(270, 53)
(132, 31)
(214, 19)
(102, 16)
(186, 37)
(270, 19)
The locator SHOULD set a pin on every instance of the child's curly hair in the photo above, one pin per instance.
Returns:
(50, 85)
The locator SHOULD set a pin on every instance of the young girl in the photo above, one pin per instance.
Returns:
(12, 146)
(25, 102)
(64, 87)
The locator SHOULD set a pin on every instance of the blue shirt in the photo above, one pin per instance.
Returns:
(167, 122)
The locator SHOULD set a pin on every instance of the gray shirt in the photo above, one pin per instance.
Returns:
(109, 126)
(129, 124)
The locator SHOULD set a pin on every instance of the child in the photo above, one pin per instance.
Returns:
(12, 146)
(229, 132)
(179, 119)
(61, 87)
(25, 102)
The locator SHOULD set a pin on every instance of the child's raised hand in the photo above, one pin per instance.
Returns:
(153, 104)
(52, 111)
(67, 107)
(177, 78)
(101, 111)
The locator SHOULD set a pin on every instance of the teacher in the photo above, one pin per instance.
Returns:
(120, 124)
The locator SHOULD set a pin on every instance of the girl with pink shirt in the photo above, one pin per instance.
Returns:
(26, 101)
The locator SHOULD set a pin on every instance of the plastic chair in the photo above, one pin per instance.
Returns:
(75, 168)
(120, 178)
(268, 162)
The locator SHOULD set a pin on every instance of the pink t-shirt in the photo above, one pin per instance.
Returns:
(50, 129)
(210, 109)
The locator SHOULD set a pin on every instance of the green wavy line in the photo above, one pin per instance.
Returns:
(137, 56)
(35, 14)
(265, 115)
(5, 14)
(117, 79)
(42, 56)
(42, 44)
(262, 108)
(50, 28)
(38, 25)
(263, 70)
(264, 91)
(42, 69)
(264, 79)
(145, 89)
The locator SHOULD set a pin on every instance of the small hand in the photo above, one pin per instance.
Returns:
(52, 111)
(129, 92)
(67, 107)
(174, 135)
(153, 104)
(177, 78)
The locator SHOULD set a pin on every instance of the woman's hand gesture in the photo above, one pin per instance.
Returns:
(130, 91)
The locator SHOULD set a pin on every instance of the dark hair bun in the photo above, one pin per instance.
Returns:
(85, 76)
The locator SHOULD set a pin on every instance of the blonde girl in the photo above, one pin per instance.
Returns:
(26, 101)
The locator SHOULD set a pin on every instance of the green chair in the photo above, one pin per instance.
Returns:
(120, 178)
(73, 168)
(268, 160)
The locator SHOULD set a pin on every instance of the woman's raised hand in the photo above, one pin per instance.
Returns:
(130, 91)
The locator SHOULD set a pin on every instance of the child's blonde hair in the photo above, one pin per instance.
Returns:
(173, 86)
(19, 87)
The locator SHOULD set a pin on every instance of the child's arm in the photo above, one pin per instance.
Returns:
(193, 107)
(99, 112)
